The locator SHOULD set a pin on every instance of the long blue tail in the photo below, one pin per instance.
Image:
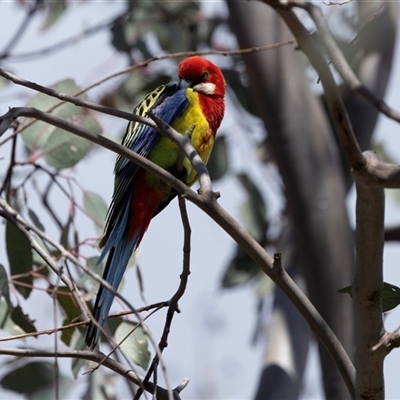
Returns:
(120, 249)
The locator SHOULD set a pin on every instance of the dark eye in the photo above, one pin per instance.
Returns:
(204, 76)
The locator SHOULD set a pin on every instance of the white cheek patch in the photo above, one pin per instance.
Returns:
(205, 87)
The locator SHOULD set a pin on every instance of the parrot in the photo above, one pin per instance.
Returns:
(194, 105)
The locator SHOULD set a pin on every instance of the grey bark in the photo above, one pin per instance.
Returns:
(304, 150)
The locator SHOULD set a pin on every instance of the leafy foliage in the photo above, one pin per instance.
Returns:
(54, 11)
(135, 345)
(30, 378)
(59, 148)
(218, 165)
(20, 258)
(390, 295)
(96, 208)
(242, 269)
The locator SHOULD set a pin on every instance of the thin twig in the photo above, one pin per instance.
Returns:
(91, 356)
(342, 66)
(74, 325)
(21, 30)
(145, 63)
(62, 44)
(173, 303)
(13, 217)
(333, 97)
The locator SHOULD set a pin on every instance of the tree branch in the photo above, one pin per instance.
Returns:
(211, 207)
(343, 68)
(334, 100)
(367, 290)
(120, 369)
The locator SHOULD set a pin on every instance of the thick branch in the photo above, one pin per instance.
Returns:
(306, 155)
(367, 291)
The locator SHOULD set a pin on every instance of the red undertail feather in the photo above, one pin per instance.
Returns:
(144, 203)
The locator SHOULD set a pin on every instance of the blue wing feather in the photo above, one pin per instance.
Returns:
(167, 102)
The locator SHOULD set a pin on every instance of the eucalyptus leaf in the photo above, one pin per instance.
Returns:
(55, 10)
(20, 258)
(390, 296)
(69, 308)
(37, 259)
(29, 378)
(218, 163)
(96, 207)
(4, 289)
(91, 263)
(78, 363)
(253, 209)
(6, 323)
(241, 270)
(64, 149)
(37, 134)
(64, 239)
(136, 345)
(22, 320)
(35, 219)
(61, 149)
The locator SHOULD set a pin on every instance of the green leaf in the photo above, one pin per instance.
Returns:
(253, 209)
(69, 308)
(347, 289)
(4, 82)
(55, 9)
(48, 392)
(6, 322)
(35, 219)
(111, 327)
(218, 163)
(101, 386)
(241, 270)
(4, 289)
(136, 345)
(91, 263)
(29, 378)
(390, 296)
(96, 208)
(61, 149)
(78, 363)
(65, 233)
(64, 149)
(22, 320)
(20, 257)
(36, 135)
(37, 259)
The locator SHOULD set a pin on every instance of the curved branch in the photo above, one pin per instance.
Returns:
(113, 365)
(211, 207)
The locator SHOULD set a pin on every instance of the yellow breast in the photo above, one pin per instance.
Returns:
(164, 152)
